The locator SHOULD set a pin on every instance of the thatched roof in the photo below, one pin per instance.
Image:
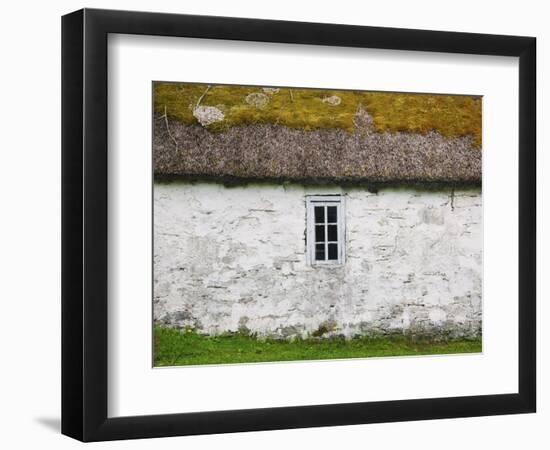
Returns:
(281, 153)
(315, 135)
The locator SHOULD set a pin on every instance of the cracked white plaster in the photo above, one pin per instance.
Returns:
(233, 258)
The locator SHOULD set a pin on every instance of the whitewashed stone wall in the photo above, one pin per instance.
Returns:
(234, 258)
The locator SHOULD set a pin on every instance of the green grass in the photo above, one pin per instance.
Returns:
(451, 115)
(180, 348)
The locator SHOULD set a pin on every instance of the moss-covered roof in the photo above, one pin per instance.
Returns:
(313, 135)
(309, 109)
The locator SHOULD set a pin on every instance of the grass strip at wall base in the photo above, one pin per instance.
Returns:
(173, 347)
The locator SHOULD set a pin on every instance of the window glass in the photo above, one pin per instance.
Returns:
(332, 233)
(319, 233)
(319, 214)
(332, 251)
(320, 252)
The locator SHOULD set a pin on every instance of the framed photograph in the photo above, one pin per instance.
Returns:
(273, 224)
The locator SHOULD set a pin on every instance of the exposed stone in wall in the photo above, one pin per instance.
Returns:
(233, 259)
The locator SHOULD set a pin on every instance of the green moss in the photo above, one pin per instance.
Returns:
(179, 348)
(451, 115)
(322, 330)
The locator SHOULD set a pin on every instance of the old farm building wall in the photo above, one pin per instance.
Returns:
(284, 232)
(231, 259)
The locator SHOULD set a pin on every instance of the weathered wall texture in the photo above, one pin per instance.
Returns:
(228, 259)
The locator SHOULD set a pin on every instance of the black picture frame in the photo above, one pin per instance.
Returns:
(84, 224)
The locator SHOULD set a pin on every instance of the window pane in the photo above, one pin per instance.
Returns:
(320, 252)
(319, 214)
(332, 251)
(319, 233)
(333, 233)
(331, 214)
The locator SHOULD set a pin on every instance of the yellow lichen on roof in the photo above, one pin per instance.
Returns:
(450, 115)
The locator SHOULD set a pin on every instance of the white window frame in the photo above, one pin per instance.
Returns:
(325, 200)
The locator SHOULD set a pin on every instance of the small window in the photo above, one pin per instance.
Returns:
(325, 230)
